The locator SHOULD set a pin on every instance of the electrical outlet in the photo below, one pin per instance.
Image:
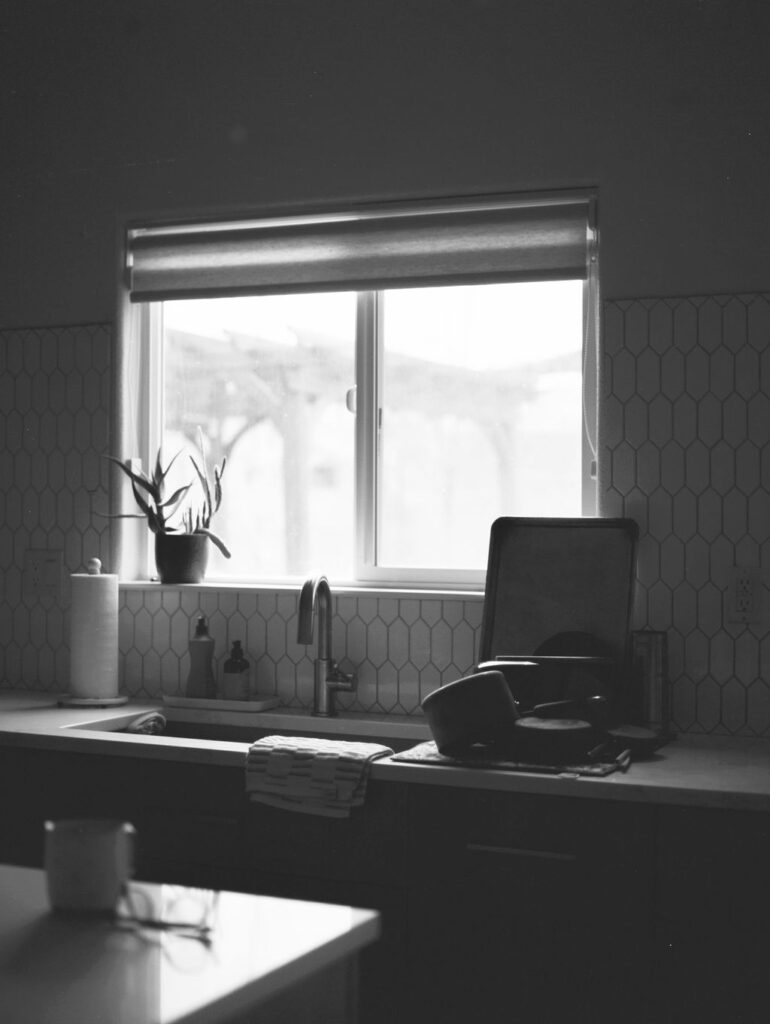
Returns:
(42, 573)
(744, 597)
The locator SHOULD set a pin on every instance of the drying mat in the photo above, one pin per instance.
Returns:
(427, 753)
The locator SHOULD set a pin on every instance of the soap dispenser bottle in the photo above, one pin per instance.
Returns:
(200, 681)
(236, 677)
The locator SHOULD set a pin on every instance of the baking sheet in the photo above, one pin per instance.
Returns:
(572, 577)
(549, 576)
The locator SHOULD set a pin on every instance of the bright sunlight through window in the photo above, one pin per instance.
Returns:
(478, 396)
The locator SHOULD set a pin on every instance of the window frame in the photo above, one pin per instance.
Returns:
(140, 366)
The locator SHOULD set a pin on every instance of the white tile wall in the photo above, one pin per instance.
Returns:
(54, 428)
(685, 431)
(399, 647)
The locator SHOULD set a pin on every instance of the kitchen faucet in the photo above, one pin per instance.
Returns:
(327, 677)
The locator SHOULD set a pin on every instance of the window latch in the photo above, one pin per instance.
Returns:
(350, 399)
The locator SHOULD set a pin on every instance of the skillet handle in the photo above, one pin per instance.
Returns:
(555, 709)
(590, 709)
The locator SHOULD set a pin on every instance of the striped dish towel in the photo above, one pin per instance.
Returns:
(312, 776)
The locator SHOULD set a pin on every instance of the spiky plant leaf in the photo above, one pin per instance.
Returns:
(175, 498)
(219, 472)
(160, 473)
(139, 479)
(122, 515)
(143, 505)
(157, 473)
(155, 523)
(204, 484)
(215, 540)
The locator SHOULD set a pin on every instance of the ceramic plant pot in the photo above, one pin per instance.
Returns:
(181, 557)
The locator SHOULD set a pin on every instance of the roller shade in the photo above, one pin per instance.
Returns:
(502, 241)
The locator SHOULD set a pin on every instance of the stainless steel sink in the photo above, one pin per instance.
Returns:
(248, 734)
(361, 729)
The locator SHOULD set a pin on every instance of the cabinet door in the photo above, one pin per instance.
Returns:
(187, 816)
(537, 905)
(712, 911)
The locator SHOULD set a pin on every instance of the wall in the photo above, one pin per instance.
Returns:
(686, 425)
(110, 109)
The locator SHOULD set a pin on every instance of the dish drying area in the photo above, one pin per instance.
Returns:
(555, 688)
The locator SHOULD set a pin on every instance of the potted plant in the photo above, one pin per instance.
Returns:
(181, 551)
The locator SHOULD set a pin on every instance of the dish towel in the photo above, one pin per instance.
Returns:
(312, 776)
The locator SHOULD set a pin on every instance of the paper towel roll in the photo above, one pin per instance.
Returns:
(94, 634)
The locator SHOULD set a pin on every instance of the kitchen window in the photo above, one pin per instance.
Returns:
(384, 382)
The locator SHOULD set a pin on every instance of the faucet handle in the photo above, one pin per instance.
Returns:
(336, 679)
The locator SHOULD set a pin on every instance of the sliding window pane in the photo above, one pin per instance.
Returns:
(481, 416)
(266, 379)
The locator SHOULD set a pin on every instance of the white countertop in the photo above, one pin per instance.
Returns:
(80, 971)
(713, 771)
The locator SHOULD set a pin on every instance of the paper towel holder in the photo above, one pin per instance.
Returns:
(94, 568)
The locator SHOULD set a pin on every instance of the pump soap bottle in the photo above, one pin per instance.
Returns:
(236, 677)
(200, 681)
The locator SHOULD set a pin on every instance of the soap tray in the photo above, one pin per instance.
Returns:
(215, 704)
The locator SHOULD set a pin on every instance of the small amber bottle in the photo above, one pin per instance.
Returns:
(236, 677)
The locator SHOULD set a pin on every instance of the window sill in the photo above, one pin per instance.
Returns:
(342, 589)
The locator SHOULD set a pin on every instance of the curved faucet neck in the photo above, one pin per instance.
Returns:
(327, 678)
(316, 592)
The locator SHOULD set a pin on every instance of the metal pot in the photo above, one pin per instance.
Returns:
(478, 708)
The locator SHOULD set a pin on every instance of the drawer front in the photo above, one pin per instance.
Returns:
(448, 826)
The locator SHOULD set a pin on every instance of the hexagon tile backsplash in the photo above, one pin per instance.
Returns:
(400, 647)
(685, 429)
(54, 430)
(685, 426)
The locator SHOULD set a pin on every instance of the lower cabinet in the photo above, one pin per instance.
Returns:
(359, 861)
(712, 913)
(528, 908)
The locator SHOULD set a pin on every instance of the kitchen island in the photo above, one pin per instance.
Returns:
(280, 959)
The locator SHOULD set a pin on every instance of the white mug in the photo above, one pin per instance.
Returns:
(88, 863)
